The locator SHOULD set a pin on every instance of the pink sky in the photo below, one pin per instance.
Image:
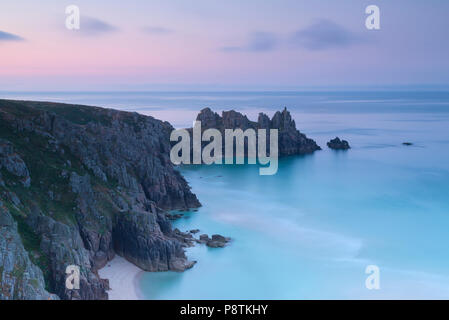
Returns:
(188, 44)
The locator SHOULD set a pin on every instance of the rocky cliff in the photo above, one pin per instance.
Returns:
(77, 185)
(20, 278)
(290, 140)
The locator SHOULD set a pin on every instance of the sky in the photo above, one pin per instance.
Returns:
(214, 45)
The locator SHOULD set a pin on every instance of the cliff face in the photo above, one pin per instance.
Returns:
(83, 183)
(291, 141)
(19, 277)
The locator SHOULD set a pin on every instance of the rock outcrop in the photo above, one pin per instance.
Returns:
(337, 144)
(290, 140)
(19, 277)
(63, 246)
(150, 248)
(84, 184)
(217, 241)
(12, 162)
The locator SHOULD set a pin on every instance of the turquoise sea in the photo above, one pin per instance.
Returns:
(309, 231)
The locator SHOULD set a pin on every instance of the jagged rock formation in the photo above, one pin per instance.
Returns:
(19, 277)
(13, 163)
(63, 246)
(84, 183)
(155, 253)
(337, 144)
(291, 141)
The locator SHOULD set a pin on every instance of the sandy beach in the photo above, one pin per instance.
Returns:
(123, 279)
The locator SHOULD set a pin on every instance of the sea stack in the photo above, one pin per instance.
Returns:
(291, 140)
(337, 144)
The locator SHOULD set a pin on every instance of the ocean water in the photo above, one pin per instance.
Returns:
(310, 231)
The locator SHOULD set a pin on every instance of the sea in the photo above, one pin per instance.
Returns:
(319, 227)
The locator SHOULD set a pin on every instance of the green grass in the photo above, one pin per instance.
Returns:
(77, 114)
(34, 283)
(45, 168)
(17, 108)
(31, 241)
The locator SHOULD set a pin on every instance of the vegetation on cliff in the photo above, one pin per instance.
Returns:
(78, 182)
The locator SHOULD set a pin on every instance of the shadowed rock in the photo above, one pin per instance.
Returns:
(19, 277)
(291, 141)
(337, 144)
(217, 241)
(13, 163)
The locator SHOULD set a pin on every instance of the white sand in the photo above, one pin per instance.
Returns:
(123, 279)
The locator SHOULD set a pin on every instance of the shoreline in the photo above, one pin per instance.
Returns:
(123, 279)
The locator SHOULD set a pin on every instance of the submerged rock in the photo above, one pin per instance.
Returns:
(204, 238)
(337, 144)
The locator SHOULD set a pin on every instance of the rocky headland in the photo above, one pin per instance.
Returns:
(78, 185)
(290, 140)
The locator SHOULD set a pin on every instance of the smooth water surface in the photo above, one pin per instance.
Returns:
(310, 230)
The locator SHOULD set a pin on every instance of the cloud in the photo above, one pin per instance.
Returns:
(325, 34)
(6, 36)
(257, 42)
(262, 41)
(93, 26)
(156, 30)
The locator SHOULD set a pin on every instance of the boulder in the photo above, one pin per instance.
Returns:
(204, 238)
(217, 241)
